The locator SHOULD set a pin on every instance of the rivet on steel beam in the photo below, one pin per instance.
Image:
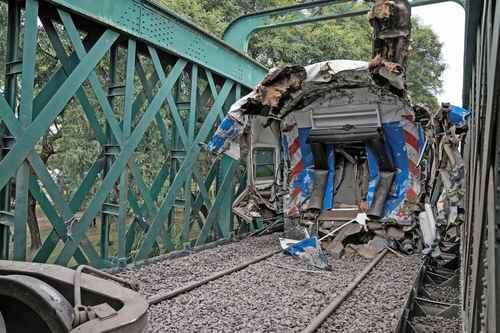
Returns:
(14, 67)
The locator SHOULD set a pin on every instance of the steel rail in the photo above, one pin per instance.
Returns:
(318, 320)
(160, 297)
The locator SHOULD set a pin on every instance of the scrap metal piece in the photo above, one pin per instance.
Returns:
(317, 195)
(271, 93)
(325, 71)
(395, 233)
(391, 22)
(339, 214)
(336, 246)
(25, 292)
(250, 204)
(428, 226)
(367, 251)
(131, 308)
(104, 311)
(407, 246)
(376, 211)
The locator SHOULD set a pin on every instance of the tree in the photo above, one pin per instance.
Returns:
(425, 66)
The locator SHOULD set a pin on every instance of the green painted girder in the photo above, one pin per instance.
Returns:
(120, 163)
(159, 27)
(185, 171)
(39, 112)
(25, 119)
(239, 32)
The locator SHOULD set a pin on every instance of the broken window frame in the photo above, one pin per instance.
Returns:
(256, 165)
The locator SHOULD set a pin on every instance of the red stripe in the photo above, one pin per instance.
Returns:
(295, 192)
(413, 168)
(296, 170)
(411, 140)
(294, 146)
(411, 194)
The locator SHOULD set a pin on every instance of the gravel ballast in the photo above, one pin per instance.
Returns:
(443, 294)
(376, 304)
(171, 273)
(261, 298)
(435, 324)
(279, 294)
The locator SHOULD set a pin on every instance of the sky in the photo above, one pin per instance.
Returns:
(448, 21)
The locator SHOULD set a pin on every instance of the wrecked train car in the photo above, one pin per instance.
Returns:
(324, 142)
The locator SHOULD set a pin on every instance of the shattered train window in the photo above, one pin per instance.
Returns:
(263, 162)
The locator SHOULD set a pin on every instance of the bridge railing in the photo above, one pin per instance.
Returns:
(148, 84)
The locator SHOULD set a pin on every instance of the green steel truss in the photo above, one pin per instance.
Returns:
(177, 79)
(239, 32)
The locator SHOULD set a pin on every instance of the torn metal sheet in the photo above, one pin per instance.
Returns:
(309, 250)
(274, 90)
(336, 246)
(428, 226)
(317, 194)
(326, 70)
(250, 204)
(391, 22)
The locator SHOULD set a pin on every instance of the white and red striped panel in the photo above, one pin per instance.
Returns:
(291, 132)
(413, 152)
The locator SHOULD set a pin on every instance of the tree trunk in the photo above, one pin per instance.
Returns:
(36, 241)
(47, 151)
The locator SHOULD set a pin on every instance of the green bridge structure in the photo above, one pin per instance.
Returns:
(179, 80)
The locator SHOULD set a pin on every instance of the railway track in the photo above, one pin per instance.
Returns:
(273, 292)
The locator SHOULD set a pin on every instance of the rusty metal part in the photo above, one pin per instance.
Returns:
(331, 233)
(391, 22)
(336, 246)
(131, 308)
(316, 322)
(158, 298)
(390, 19)
(276, 87)
(339, 214)
(40, 303)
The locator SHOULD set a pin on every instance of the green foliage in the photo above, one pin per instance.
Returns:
(425, 67)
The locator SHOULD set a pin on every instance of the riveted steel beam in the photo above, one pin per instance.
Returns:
(239, 32)
(185, 170)
(156, 25)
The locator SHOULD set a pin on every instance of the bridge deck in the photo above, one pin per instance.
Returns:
(276, 294)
